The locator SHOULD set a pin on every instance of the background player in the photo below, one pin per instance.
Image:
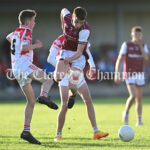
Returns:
(134, 53)
(24, 71)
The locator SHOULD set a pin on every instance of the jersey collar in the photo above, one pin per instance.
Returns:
(25, 27)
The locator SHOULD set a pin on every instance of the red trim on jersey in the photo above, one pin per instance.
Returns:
(33, 67)
(24, 52)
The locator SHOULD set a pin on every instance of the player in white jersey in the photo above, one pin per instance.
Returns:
(54, 52)
(25, 71)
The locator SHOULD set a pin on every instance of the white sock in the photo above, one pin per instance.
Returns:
(95, 129)
(139, 118)
(59, 134)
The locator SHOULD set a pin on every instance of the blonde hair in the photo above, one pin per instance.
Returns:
(136, 29)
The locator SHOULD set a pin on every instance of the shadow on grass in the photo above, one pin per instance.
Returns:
(79, 142)
(100, 100)
(8, 137)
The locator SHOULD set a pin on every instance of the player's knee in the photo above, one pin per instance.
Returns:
(64, 105)
(88, 101)
(138, 99)
(132, 97)
(31, 103)
(57, 77)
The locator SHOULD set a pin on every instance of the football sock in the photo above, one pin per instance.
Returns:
(126, 112)
(139, 118)
(26, 129)
(95, 129)
(44, 94)
(59, 134)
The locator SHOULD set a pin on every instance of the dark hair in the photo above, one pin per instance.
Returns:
(25, 15)
(80, 13)
(136, 29)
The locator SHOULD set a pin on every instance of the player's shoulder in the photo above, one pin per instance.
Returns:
(86, 26)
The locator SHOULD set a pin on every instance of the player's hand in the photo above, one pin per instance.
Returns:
(92, 72)
(117, 79)
(38, 44)
(67, 60)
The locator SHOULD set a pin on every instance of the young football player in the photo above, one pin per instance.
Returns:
(54, 52)
(73, 57)
(134, 53)
(25, 71)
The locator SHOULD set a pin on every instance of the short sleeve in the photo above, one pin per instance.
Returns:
(123, 49)
(64, 12)
(25, 40)
(146, 48)
(83, 36)
(10, 36)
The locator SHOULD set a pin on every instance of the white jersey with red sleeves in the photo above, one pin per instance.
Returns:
(21, 36)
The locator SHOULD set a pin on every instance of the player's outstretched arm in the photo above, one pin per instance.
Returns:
(38, 44)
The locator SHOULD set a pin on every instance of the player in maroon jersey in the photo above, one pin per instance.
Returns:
(134, 53)
(25, 71)
(52, 59)
(73, 58)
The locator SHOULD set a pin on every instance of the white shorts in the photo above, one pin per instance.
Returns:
(137, 79)
(22, 70)
(78, 63)
(65, 82)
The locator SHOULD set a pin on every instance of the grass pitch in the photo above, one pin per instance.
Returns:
(77, 132)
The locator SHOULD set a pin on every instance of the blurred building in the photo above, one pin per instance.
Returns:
(110, 20)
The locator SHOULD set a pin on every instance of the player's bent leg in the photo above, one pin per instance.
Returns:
(26, 135)
(84, 93)
(72, 95)
(42, 77)
(139, 105)
(129, 102)
(76, 80)
(62, 114)
(60, 70)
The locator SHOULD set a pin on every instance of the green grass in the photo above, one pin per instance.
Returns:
(77, 132)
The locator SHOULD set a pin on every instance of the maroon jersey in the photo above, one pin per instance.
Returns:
(133, 59)
(71, 34)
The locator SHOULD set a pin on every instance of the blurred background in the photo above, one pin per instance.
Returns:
(110, 20)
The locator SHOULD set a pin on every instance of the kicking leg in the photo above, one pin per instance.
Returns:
(41, 76)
